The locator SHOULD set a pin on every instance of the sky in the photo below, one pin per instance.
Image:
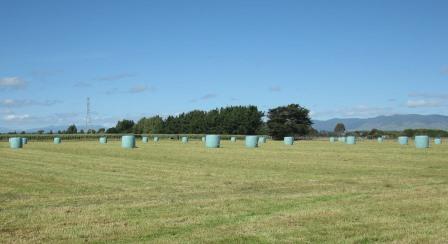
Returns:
(135, 58)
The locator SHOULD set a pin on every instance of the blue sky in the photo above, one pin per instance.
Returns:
(141, 58)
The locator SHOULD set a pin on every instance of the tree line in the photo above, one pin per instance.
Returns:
(290, 120)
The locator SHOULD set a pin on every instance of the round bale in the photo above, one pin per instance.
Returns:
(128, 141)
(437, 141)
(421, 141)
(184, 139)
(403, 140)
(57, 140)
(24, 140)
(351, 140)
(212, 141)
(233, 139)
(15, 142)
(289, 140)
(144, 139)
(103, 140)
(156, 139)
(251, 141)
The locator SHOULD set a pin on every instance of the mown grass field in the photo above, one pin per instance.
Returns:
(174, 193)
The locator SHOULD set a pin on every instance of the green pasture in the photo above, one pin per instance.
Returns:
(169, 192)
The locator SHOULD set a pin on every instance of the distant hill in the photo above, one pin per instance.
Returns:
(393, 122)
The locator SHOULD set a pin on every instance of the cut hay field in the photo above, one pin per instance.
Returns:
(170, 192)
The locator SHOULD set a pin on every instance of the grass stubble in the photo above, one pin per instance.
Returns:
(170, 192)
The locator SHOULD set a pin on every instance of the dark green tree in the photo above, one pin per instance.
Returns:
(152, 125)
(339, 129)
(72, 129)
(112, 130)
(125, 126)
(291, 120)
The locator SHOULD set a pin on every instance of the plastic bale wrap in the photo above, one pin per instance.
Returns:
(342, 139)
(128, 141)
(351, 140)
(289, 140)
(145, 139)
(403, 140)
(212, 141)
(103, 140)
(57, 140)
(15, 143)
(421, 141)
(251, 141)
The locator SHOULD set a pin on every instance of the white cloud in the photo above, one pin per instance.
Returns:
(360, 111)
(12, 83)
(25, 103)
(426, 100)
(15, 117)
(423, 103)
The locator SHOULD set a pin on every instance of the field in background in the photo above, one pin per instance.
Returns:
(313, 191)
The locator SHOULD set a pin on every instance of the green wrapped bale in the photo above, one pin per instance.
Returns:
(57, 140)
(351, 140)
(128, 141)
(421, 141)
(145, 139)
(184, 139)
(289, 140)
(403, 140)
(251, 141)
(103, 140)
(15, 143)
(212, 141)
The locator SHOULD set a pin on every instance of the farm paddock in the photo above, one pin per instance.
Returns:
(313, 191)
